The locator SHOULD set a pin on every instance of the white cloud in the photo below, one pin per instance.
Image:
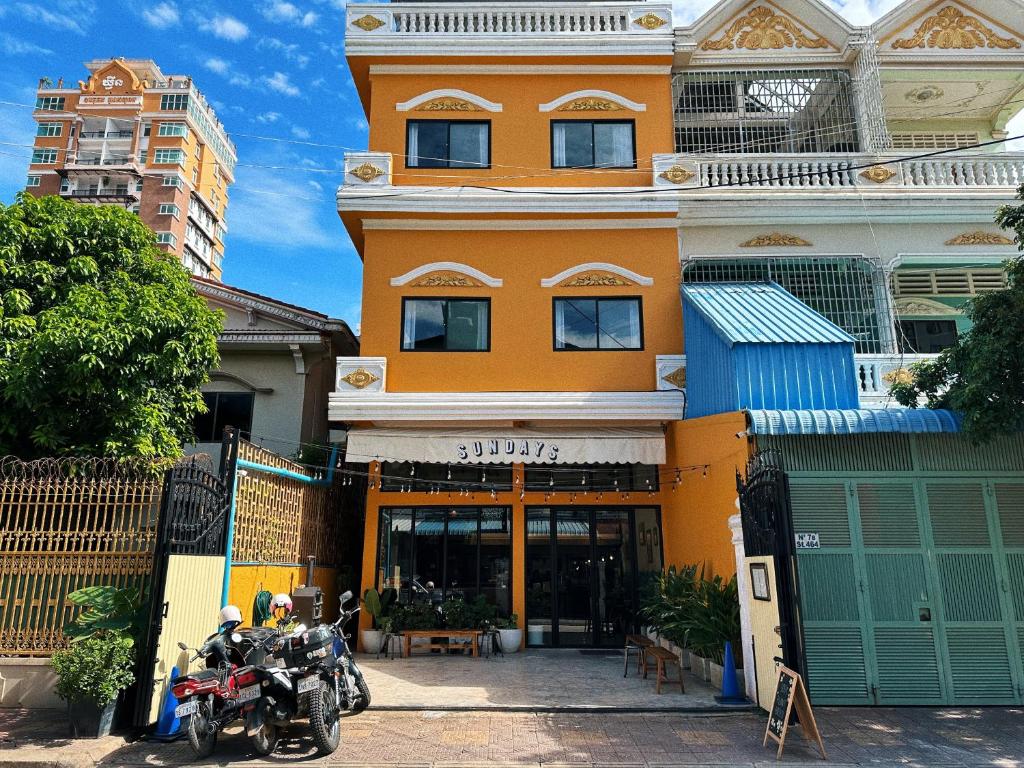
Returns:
(281, 11)
(281, 211)
(308, 19)
(269, 117)
(14, 46)
(291, 51)
(226, 28)
(219, 66)
(280, 83)
(300, 133)
(65, 16)
(162, 15)
(359, 123)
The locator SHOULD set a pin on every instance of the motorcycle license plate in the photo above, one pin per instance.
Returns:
(249, 693)
(188, 708)
(307, 684)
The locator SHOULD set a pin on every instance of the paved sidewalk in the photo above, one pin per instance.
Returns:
(861, 737)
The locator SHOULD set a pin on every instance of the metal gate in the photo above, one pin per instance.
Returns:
(765, 515)
(187, 572)
(912, 589)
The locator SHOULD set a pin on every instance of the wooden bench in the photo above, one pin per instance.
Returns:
(661, 657)
(471, 634)
(637, 643)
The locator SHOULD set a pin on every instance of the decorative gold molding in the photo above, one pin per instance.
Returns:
(595, 279)
(650, 21)
(590, 104)
(368, 23)
(367, 172)
(763, 29)
(446, 280)
(360, 378)
(773, 240)
(915, 306)
(879, 174)
(677, 378)
(952, 29)
(979, 237)
(447, 104)
(677, 174)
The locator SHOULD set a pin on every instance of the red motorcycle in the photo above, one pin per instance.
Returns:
(212, 698)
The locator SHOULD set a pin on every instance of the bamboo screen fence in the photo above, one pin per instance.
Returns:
(283, 520)
(66, 524)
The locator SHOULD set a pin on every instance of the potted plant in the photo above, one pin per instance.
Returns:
(510, 636)
(98, 664)
(379, 605)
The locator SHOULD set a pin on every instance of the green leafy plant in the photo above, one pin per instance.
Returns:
(98, 668)
(510, 622)
(104, 342)
(107, 609)
(458, 614)
(380, 605)
(415, 617)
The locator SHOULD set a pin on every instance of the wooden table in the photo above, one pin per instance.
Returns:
(471, 634)
(637, 643)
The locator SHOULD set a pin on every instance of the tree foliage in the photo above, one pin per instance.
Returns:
(982, 375)
(104, 343)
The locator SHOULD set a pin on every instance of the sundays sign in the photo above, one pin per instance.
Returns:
(512, 448)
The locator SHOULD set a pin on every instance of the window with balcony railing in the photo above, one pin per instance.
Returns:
(764, 111)
(849, 291)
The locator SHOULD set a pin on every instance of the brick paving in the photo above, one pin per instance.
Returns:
(439, 739)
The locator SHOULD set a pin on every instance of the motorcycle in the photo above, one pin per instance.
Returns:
(212, 698)
(309, 673)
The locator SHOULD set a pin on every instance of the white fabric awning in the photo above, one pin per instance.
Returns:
(597, 445)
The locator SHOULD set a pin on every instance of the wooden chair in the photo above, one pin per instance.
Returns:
(661, 657)
(635, 643)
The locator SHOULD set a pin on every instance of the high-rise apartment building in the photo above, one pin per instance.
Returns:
(132, 136)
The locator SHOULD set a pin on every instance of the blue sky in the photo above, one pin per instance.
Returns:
(273, 69)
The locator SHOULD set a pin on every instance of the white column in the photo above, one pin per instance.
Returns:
(743, 583)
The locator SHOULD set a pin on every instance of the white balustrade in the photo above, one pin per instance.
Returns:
(876, 374)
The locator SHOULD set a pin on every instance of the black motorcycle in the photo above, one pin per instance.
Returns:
(312, 673)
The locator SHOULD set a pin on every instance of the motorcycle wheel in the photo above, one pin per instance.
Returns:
(363, 699)
(323, 720)
(264, 741)
(201, 736)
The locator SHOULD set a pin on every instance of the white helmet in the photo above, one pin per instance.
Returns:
(230, 614)
(281, 600)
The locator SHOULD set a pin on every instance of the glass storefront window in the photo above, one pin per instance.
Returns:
(433, 553)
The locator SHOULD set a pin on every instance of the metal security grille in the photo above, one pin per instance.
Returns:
(761, 111)
(933, 140)
(849, 291)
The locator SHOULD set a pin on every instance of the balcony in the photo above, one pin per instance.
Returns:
(102, 166)
(118, 195)
(858, 173)
(106, 134)
(877, 373)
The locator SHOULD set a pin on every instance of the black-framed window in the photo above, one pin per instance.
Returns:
(592, 477)
(593, 144)
(419, 476)
(448, 144)
(224, 409)
(430, 554)
(598, 323)
(927, 336)
(446, 325)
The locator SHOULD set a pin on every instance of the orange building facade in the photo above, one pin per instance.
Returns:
(519, 391)
(130, 135)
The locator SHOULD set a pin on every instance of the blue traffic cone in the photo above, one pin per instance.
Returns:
(730, 689)
(168, 727)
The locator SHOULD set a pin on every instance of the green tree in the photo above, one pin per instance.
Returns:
(104, 343)
(982, 375)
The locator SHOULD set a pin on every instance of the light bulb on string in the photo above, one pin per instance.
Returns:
(449, 471)
(705, 472)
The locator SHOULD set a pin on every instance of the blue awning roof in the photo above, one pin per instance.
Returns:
(761, 313)
(853, 422)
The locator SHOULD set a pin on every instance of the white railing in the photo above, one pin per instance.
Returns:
(509, 19)
(863, 171)
(877, 373)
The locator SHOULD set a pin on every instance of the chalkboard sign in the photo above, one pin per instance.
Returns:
(791, 693)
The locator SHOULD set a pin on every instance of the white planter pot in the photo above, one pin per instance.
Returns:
(716, 675)
(684, 658)
(511, 639)
(535, 634)
(371, 640)
(700, 667)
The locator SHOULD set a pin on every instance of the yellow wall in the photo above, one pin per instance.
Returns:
(521, 133)
(695, 521)
(764, 618)
(522, 356)
(247, 580)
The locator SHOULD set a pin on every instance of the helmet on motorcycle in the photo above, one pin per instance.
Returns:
(281, 600)
(230, 616)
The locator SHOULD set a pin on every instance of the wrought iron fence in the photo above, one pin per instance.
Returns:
(67, 524)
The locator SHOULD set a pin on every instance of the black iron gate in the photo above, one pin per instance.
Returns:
(193, 520)
(768, 531)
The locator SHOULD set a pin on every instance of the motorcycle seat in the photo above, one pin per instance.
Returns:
(202, 674)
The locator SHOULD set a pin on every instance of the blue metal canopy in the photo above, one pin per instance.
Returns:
(852, 421)
(761, 313)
